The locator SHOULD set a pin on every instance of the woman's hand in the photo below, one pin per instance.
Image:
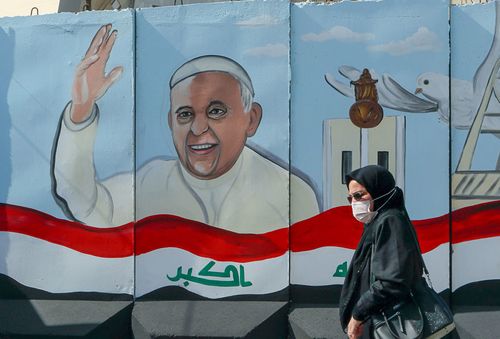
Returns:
(354, 328)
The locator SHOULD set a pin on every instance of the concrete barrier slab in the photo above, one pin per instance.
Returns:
(315, 321)
(209, 319)
(65, 318)
(473, 322)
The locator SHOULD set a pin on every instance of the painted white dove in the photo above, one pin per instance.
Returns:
(390, 93)
(466, 96)
(434, 86)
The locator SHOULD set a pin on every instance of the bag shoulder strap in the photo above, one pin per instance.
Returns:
(372, 252)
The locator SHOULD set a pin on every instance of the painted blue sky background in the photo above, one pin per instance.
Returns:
(402, 38)
(39, 56)
(256, 34)
(472, 31)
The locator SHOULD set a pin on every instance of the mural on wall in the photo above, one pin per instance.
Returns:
(217, 223)
(368, 116)
(472, 117)
(212, 113)
(7, 38)
(212, 196)
(85, 198)
(45, 253)
(216, 190)
(185, 159)
(475, 181)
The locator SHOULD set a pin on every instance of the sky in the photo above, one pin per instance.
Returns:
(23, 7)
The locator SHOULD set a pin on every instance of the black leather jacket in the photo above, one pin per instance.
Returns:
(395, 266)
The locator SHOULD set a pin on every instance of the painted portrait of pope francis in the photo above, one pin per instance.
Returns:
(217, 179)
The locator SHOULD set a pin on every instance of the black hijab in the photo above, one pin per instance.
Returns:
(378, 181)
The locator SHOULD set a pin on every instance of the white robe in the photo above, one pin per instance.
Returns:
(252, 197)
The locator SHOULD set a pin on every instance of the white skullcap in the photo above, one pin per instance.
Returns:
(211, 63)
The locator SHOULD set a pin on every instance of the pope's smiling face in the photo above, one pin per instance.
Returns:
(209, 124)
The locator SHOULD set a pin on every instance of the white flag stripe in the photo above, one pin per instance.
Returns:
(317, 267)
(476, 260)
(152, 268)
(438, 264)
(53, 268)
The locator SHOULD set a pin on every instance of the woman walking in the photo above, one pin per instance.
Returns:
(386, 262)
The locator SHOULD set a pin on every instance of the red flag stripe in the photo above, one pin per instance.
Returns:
(160, 231)
(116, 242)
(476, 222)
(337, 227)
(151, 233)
(334, 227)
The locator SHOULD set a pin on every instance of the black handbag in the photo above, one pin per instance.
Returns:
(424, 314)
(403, 320)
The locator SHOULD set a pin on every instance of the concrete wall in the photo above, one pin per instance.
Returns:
(147, 192)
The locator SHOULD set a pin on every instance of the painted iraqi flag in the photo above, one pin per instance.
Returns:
(208, 261)
(62, 256)
(322, 246)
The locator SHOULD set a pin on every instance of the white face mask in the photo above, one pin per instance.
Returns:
(361, 209)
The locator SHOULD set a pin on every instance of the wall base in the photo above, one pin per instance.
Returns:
(315, 321)
(65, 319)
(209, 319)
